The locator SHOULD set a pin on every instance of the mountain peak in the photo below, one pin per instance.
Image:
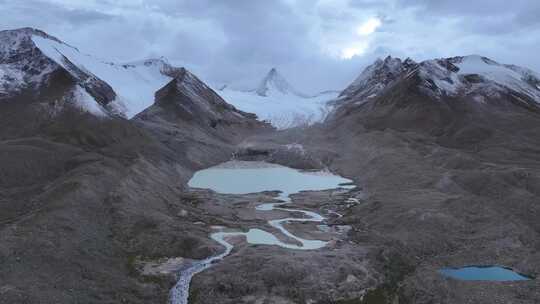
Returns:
(21, 37)
(188, 97)
(377, 76)
(22, 65)
(274, 83)
(183, 81)
(27, 32)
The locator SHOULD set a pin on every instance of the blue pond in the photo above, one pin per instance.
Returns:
(473, 273)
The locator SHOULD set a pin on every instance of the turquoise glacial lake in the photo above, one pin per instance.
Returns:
(476, 273)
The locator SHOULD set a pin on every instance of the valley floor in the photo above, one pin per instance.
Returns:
(81, 224)
(422, 207)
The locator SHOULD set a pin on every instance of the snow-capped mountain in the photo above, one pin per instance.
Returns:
(275, 100)
(28, 58)
(25, 69)
(461, 101)
(475, 77)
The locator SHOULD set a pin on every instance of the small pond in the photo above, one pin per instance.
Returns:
(481, 273)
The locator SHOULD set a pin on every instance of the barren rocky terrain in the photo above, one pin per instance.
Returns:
(96, 208)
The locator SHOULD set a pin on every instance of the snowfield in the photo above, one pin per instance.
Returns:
(276, 101)
(281, 110)
(87, 102)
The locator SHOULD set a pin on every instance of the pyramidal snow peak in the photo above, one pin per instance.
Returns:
(274, 83)
(277, 101)
(29, 56)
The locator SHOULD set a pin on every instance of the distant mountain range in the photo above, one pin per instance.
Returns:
(95, 159)
(31, 59)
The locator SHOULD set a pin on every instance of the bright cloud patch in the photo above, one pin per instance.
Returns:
(356, 50)
(369, 27)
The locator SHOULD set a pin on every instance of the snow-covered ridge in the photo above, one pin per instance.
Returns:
(474, 73)
(474, 76)
(275, 100)
(28, 56)
(134, 83)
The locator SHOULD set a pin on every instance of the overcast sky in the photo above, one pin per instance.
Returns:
(316, 44)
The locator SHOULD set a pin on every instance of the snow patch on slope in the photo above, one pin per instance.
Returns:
(512, 78)
(446, 81)
(19, 68)
(87, 102)
(11, 79)
(134, 84)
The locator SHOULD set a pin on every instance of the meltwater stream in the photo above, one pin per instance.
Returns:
(238, 177)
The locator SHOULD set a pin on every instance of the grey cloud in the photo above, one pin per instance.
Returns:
(488, 16)
(46, 12)
(237, 42)
(466, 7)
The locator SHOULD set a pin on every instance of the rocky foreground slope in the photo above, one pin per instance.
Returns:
(449, 152)
(84, 194)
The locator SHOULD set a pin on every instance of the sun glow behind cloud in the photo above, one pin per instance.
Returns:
(361, 43)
